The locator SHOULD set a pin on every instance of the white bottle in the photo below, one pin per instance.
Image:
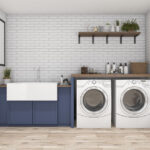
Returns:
(112, 28)
(111, 69)
(121, 68)
(108, 67)
(126, 70)
(61, 80)
(114, 67)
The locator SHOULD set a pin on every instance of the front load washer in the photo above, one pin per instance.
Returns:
(93, 103)
(132, 103)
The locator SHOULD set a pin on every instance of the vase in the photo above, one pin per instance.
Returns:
(117, 28)
(112, 29)
(107, 28)
(7, 81)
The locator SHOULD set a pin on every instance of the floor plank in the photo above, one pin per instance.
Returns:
(63, 138)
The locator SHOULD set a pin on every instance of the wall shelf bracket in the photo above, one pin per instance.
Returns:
(92, 39)
(134, 39)
(79, 39)
(121, 39)
(107, 39)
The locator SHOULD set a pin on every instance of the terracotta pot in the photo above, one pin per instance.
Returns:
(131, 30)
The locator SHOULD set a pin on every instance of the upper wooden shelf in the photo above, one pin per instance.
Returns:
(108, 34)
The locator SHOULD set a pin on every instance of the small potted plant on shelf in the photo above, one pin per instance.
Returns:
(7, 76)
(130, 26)
(117, 26)
(107, 27)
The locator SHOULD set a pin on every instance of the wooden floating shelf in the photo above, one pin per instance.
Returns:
(111, 75)
(107, 35)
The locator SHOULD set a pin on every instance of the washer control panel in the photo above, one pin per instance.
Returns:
(134, 81)
(93, 82)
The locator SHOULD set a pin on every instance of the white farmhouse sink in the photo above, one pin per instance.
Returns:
(32, 91)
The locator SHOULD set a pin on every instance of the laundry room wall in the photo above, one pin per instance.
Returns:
(148, 40)
(51, 43)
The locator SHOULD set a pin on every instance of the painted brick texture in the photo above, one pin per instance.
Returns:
(51, 43)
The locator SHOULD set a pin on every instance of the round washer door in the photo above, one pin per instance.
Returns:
(134, 101)
(94, 101)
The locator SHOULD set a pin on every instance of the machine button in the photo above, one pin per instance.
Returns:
(133, 82)
(93, 82)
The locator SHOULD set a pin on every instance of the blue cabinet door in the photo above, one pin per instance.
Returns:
(3, 106)
(64, 105)
(45, 113)
(19, 113)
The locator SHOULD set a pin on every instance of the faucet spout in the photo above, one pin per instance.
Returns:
(38, 74)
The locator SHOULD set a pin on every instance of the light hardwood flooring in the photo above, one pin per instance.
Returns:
(65, 138)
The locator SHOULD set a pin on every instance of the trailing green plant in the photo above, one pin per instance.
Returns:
(130, 25)
(7, 73)
(117, 23)
(108, 24)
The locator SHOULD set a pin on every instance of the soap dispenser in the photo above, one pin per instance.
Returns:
(121, 68)
(108, 68)
(126, 70)
(114, 67)
(61, 80)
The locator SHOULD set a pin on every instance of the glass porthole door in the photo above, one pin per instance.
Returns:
(133, 100)
(94, 100)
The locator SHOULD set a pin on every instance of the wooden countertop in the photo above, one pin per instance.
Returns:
(64, 85)
(3, 85)
(110, 75)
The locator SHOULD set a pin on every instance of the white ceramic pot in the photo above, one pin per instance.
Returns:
(7, 81)
(117, 28)
(107, 28)
(112, 29)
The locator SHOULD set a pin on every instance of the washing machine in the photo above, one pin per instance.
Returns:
(132, 103)
(93, 103)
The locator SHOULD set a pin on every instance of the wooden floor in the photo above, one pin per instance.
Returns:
(60, 138)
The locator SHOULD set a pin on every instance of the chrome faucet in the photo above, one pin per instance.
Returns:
(38, 74)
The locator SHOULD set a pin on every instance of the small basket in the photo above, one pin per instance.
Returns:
(138, 68)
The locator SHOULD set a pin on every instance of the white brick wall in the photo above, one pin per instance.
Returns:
(51, 42)
(148, 40)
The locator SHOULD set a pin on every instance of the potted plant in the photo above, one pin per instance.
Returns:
(130, 25)
(107, 27)
(7, 76)
(117, 26)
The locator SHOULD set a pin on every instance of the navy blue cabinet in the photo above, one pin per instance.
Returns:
(19, 113)
(36, 112)
(64, 108)
(45, 113)
(3, 106)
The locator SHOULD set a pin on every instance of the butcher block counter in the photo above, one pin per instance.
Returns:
(110, 75)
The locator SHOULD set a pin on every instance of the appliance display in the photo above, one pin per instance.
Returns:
(93, 103)
(132, 103)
